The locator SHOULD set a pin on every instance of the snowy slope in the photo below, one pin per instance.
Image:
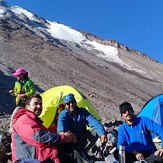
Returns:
(55, 30)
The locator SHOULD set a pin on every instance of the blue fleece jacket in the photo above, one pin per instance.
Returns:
(138, 135)
(77, 123)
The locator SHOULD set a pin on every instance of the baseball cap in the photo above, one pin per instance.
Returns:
(68, 98)
(20, 71)
(125, 106)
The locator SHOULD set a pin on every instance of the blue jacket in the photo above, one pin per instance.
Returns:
(138, 135)
(78, 123)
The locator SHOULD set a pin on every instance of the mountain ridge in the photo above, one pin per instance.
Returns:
(23, 16)
(106, 78)
(116, 44)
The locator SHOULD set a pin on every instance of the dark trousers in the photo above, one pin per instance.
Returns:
(130, 158)
(78, 152)
(74, 153)
(154, 159)
(88, 139)
(48, 160)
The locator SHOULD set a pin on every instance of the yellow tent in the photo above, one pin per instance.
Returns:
(53, 97)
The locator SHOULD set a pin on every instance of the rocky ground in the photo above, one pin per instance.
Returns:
(49, 64)
(56, 62)
(4, 121)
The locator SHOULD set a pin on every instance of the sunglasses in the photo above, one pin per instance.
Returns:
(127, 110)
(71, 102)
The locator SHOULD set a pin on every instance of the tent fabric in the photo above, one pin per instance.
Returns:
(153, 109)
(51, 100)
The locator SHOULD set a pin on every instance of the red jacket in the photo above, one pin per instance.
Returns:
(30, 139)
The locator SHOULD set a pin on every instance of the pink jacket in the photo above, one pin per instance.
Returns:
(30, 139)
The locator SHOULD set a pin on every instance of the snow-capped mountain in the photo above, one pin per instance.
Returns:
(55, 54)
(54, 30)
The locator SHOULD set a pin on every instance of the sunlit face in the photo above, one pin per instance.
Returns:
(20, 77)
(71, 106)
(128, 115)
(35, 106)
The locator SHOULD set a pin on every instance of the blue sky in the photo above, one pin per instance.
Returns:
(137, 24)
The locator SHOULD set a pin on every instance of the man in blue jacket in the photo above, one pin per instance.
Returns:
(74, 119)
(135, 135)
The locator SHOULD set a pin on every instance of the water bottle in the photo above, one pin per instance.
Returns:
(122, 158)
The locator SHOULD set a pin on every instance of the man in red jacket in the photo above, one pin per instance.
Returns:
(30, 139)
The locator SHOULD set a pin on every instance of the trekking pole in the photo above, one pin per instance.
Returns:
(59, 100)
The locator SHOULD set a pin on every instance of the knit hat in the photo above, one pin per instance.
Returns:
(125, 106)
(68, 98)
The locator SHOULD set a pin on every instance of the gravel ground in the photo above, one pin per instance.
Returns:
(49, 64)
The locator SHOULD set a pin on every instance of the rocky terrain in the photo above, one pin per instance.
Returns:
(51, 62)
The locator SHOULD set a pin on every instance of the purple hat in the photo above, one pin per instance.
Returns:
(19, 71)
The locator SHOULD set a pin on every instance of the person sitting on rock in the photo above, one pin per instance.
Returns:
(75, 120)
(135, 135)
(30, 139)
